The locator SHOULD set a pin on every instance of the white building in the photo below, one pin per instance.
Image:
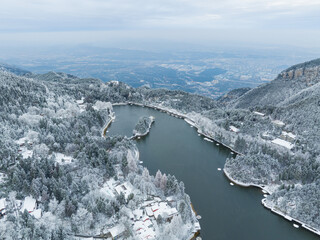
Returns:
(29, 204)
(117, 231)
(278, 123)
(125, 188)
(234, 129)
(283, 143)
(288, 136)
(259, 114)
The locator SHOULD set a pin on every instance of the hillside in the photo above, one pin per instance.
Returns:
(288, 84)
(275, 127)
(60, 178)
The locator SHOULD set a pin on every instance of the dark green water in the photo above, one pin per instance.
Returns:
(228, 212)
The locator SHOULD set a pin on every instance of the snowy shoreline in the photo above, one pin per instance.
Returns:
(195, 232)
(193, 124)
(181, 116)
(289, 218)
(263, 201)
(137, 135)
(105, 128)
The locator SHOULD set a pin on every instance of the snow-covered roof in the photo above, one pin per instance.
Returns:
(278, 122)
(37, 213)
(117, 230)
(197, 226)
(164, 209)
(283, 143)
(149, 211)
(29, 204)
(125, 188)
(138, 213)
(2, 203)
(102, 105)
(81, 101)
(144, 229)
(26, 153)
(289, 134)
(62, 158)
(234, 129)
(22, 140)
(259, 113)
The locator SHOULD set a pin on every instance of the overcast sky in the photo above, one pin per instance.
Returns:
(262, 22)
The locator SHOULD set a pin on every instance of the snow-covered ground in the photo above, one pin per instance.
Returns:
(62, 158)
(143, 218)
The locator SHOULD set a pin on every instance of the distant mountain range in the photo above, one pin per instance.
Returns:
(13, 69)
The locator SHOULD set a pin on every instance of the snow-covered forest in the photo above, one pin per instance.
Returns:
(52, 148)
(61, 179)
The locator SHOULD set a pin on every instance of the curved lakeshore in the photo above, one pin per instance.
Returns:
(177, 114)
(175, 148)
(211, 139)
(263, 201)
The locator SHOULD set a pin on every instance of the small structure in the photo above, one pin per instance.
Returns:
(29, 204)
(278, 123)
(266, 136)
(234, 129)
(138, 213)
(125, 188)
(37, 213)
(197, 227)
(164, 210)
(282, 143)
(288, 136)
(259, 113)
(117, 231)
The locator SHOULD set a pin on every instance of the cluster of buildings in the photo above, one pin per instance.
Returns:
(29, 204)
(286, 139)
(144, 219)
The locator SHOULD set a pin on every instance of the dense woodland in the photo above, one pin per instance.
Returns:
(294, 175)
(44, 112)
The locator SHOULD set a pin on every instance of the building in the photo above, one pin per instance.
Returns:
(2, 207)
(282, 143)
(259, 114)
(288, 136)
(278, 123)
(117, 231)
(29, 204)
(234, 129)
(125, 188)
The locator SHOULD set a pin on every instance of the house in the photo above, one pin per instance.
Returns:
(37, 213)
(144, 229)
(282, 143)
(278, 123)
(29, 204)
(234, 129)
(125, 188)
(165, 211)
(138, 213)
(288, 136)
(149, 211)
(117, 231)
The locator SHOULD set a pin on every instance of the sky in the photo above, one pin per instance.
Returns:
(142, 23)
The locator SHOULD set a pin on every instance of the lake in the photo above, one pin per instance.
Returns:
(228, 212)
